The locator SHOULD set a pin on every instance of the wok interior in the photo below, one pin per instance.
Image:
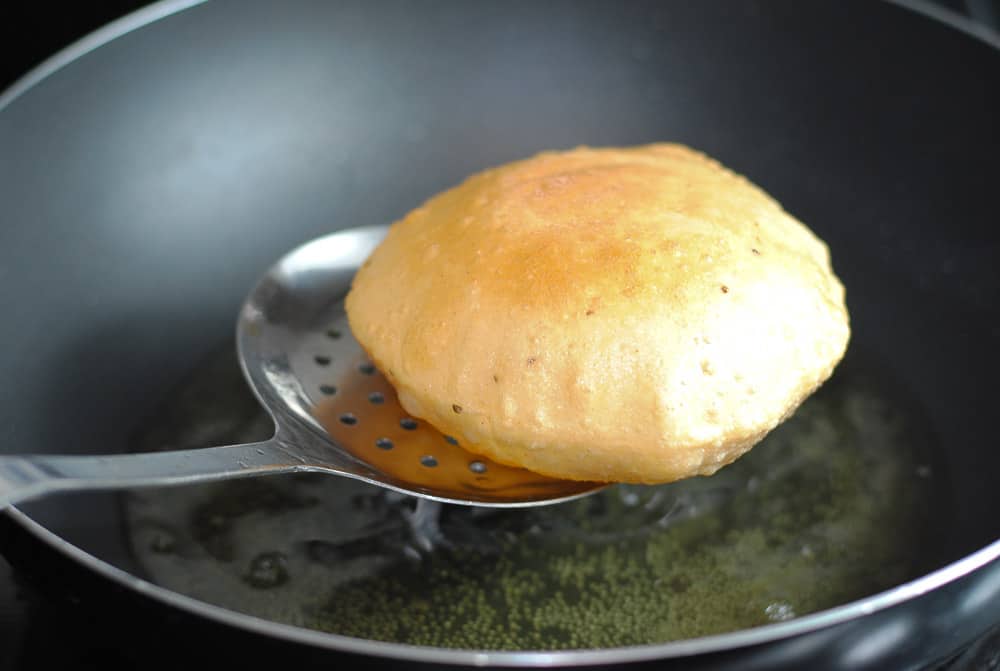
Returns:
(839, 503)
(143, 196)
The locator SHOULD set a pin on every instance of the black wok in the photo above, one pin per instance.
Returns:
(149, 175)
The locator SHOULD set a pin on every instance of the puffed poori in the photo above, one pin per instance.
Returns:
(632, 314)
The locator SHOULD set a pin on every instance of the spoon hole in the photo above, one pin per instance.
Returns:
(327, 389)
(349, 419)
(408, 423)
(429, 461)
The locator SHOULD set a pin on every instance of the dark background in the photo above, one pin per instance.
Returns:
(30, 32)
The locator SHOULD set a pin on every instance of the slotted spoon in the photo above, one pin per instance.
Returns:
(333, 411)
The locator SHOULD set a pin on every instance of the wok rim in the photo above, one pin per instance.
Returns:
(536, 658)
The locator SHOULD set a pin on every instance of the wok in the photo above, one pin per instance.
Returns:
(149, 173)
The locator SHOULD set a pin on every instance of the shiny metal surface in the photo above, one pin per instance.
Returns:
(333, 412)
(797, 102)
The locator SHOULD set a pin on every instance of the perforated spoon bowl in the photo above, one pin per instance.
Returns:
(333, 411)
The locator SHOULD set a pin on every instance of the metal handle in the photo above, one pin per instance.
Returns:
(27, 476)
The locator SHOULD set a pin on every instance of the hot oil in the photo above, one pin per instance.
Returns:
(832, 506)
(364, 416)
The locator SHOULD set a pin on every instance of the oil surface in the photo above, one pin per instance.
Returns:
(831, 507)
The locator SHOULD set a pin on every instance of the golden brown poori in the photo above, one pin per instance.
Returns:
(618, 314)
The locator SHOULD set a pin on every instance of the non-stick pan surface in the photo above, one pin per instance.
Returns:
(145, 183)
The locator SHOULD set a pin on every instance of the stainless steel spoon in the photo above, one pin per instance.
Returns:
(333, 411)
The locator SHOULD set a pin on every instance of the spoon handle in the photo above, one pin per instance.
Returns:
(28, 476)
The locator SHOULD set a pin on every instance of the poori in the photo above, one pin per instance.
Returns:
(611, 314)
